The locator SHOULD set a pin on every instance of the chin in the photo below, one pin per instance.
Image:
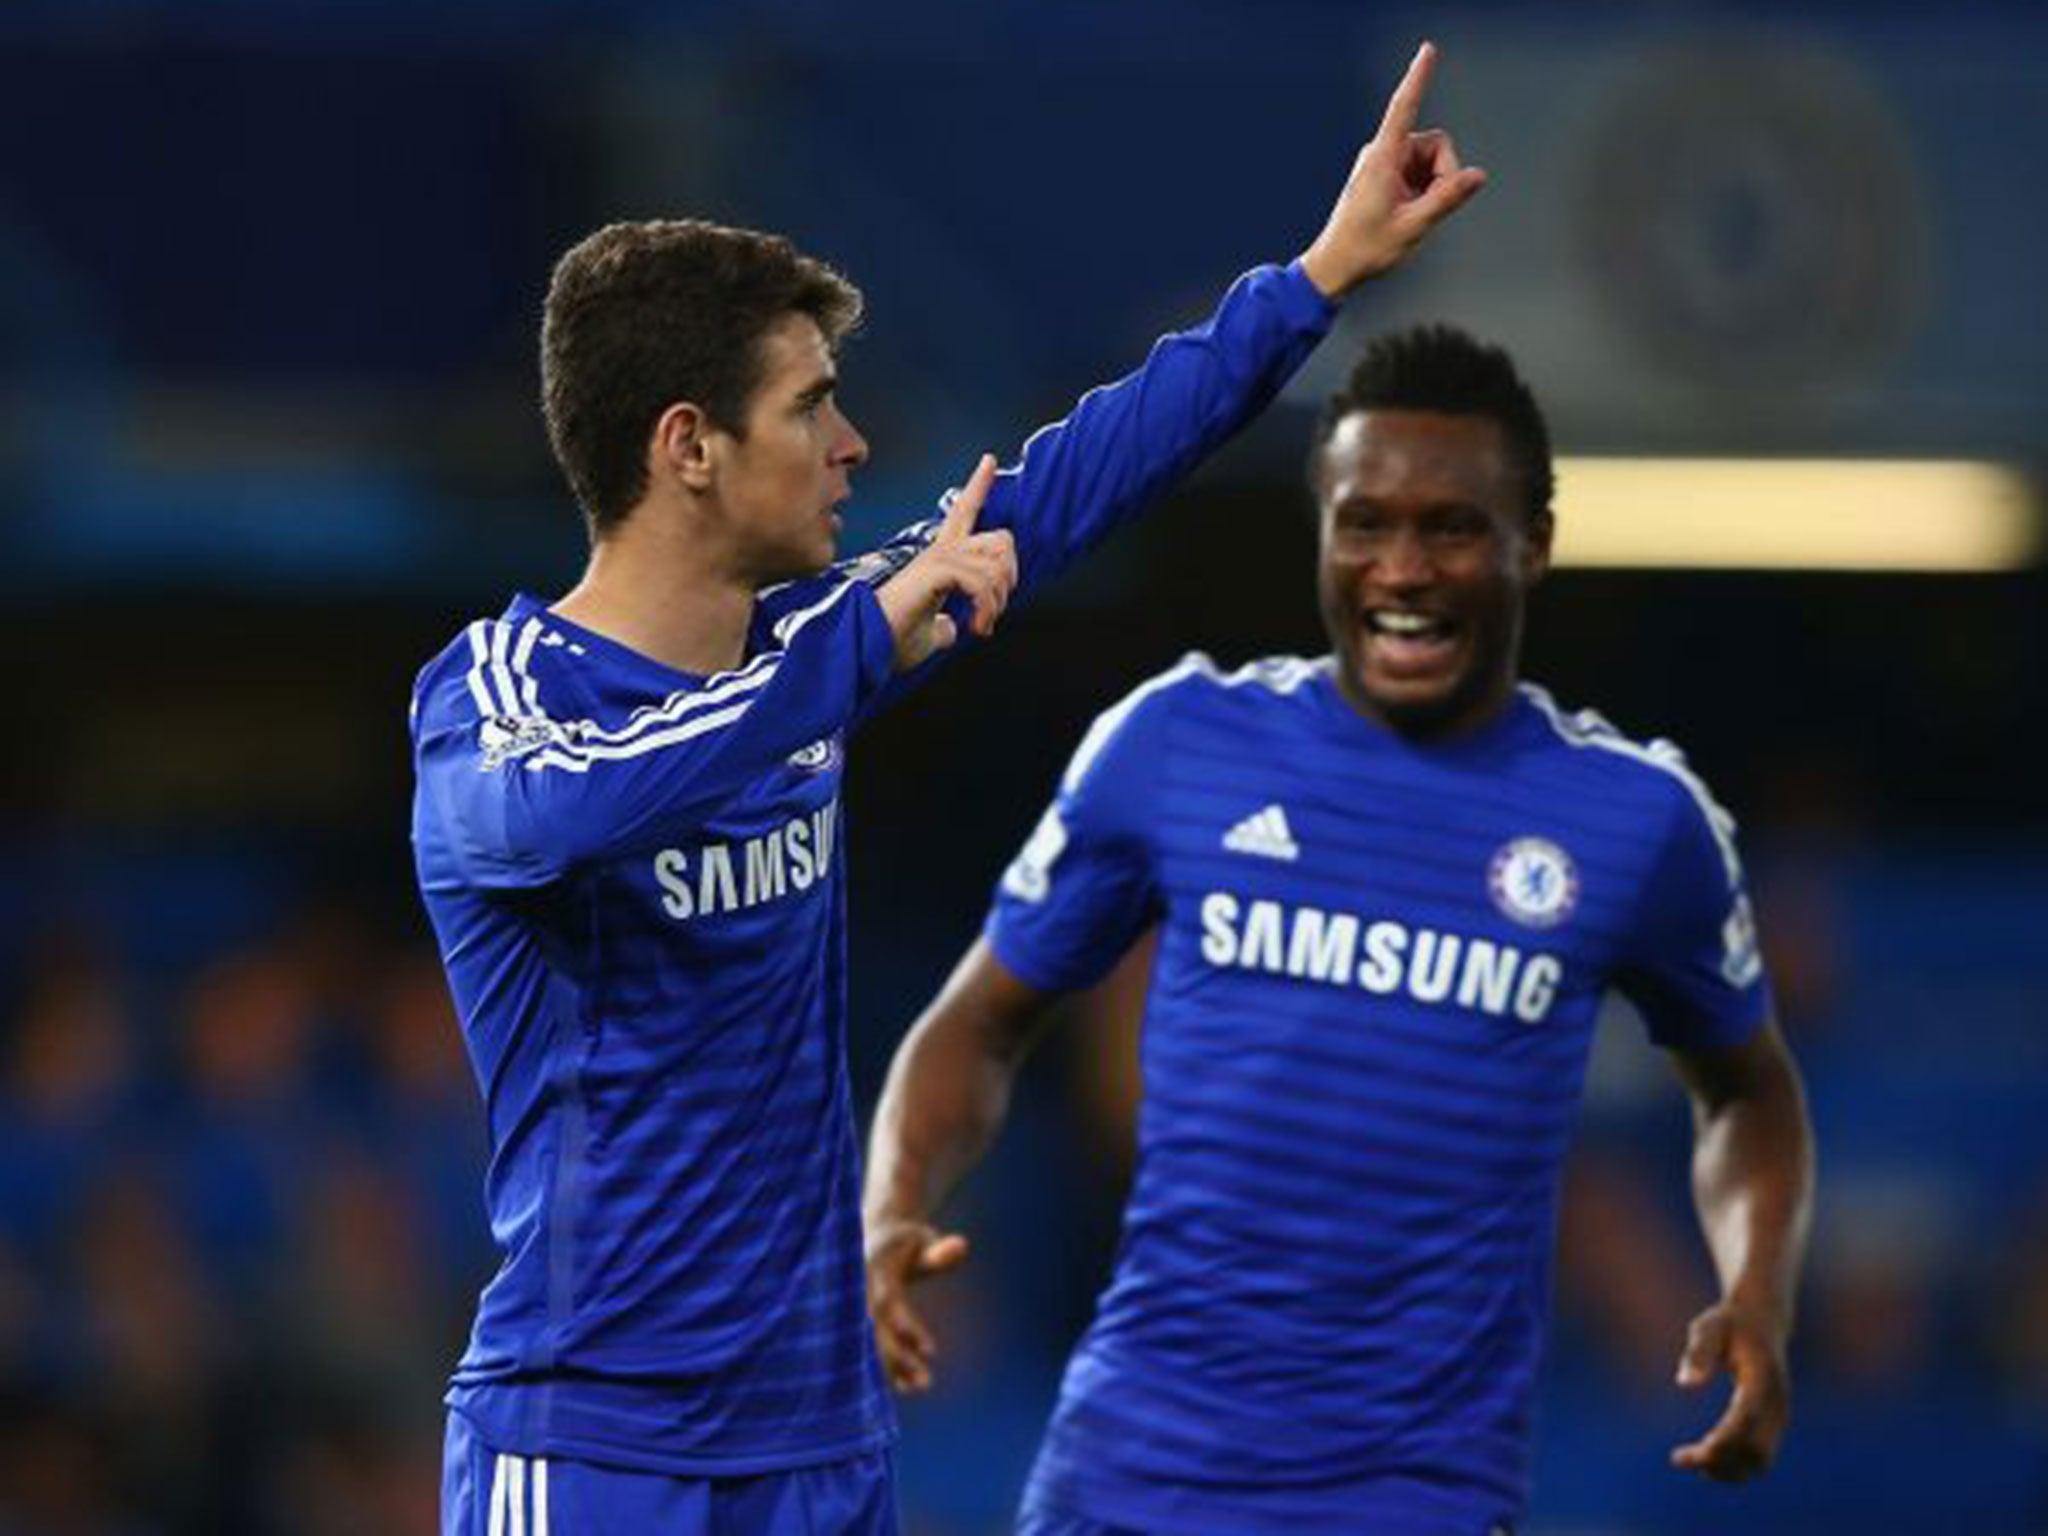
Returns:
(1418, 709)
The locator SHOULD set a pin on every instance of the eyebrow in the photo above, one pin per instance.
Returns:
(1359, 503)
(818, 390)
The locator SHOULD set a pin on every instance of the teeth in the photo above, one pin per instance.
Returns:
(1402, 623)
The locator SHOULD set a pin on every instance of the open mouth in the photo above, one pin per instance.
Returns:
(1402, 640)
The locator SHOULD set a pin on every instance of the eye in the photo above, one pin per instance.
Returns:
(1460, 525)
(1359, 520)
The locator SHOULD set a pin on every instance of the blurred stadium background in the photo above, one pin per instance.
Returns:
(269, 282)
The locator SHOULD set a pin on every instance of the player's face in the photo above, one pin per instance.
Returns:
(1426, 559)
(782, 484)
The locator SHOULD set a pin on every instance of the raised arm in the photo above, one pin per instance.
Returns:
(1404, 183)
(947, 1095)
(1125, 444)
(1752, 1177)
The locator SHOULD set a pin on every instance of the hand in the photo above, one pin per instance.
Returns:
(900, 1255)
(1403, 184)
(1751, 1347)
(981, 567)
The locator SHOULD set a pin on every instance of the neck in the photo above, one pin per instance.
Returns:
(653, 589)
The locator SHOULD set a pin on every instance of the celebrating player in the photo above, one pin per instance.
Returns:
(1390, 887)
(627, 834)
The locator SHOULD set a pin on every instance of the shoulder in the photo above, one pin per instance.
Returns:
(1198, 677)
(1256, 692)
(1194, 685)
(499, 688)
(463, 678)
(1653, 773)
(1255, 681)
(1590, 739)
(497, 662)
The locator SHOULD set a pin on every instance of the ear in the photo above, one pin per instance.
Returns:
(681, 446)
(1536, 548)
(1319, 502)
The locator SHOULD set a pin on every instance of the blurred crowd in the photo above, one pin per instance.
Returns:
(241, 1232)
(239, 1235)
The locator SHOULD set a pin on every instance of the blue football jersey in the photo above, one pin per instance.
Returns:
(1378, 968)
(636, 878)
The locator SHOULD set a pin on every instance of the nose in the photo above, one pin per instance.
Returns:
(1404, 559)
(852, 448)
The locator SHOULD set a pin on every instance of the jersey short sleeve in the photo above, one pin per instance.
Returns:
(1696, 972)
(1084, 885)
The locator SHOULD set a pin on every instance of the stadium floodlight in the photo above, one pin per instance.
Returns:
(1795, 514)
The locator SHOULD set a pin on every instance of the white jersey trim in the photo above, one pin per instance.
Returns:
(503, 686)
(1278, 674)
(1588, 728)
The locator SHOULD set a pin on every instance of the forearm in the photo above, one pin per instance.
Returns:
(1753, 1170)
(1126, 444)
(948, 1091)
(945, 1101)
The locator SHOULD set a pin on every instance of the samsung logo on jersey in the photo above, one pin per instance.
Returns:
(1386, 957)
(727, 877)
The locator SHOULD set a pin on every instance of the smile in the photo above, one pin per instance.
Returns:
(1399, 643)
(1398, 624)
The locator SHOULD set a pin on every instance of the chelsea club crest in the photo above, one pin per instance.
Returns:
(1534, 882)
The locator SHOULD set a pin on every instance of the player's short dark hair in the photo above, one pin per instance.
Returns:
(640, 316)
(1440, 368)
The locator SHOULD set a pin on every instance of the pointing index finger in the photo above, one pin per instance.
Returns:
(1405, 105)
(966, 507)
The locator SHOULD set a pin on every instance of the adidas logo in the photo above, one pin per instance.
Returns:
(1264, 833)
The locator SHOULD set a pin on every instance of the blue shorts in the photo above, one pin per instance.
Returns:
(485, 1492)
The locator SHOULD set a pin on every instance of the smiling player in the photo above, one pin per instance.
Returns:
(1391, 886)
